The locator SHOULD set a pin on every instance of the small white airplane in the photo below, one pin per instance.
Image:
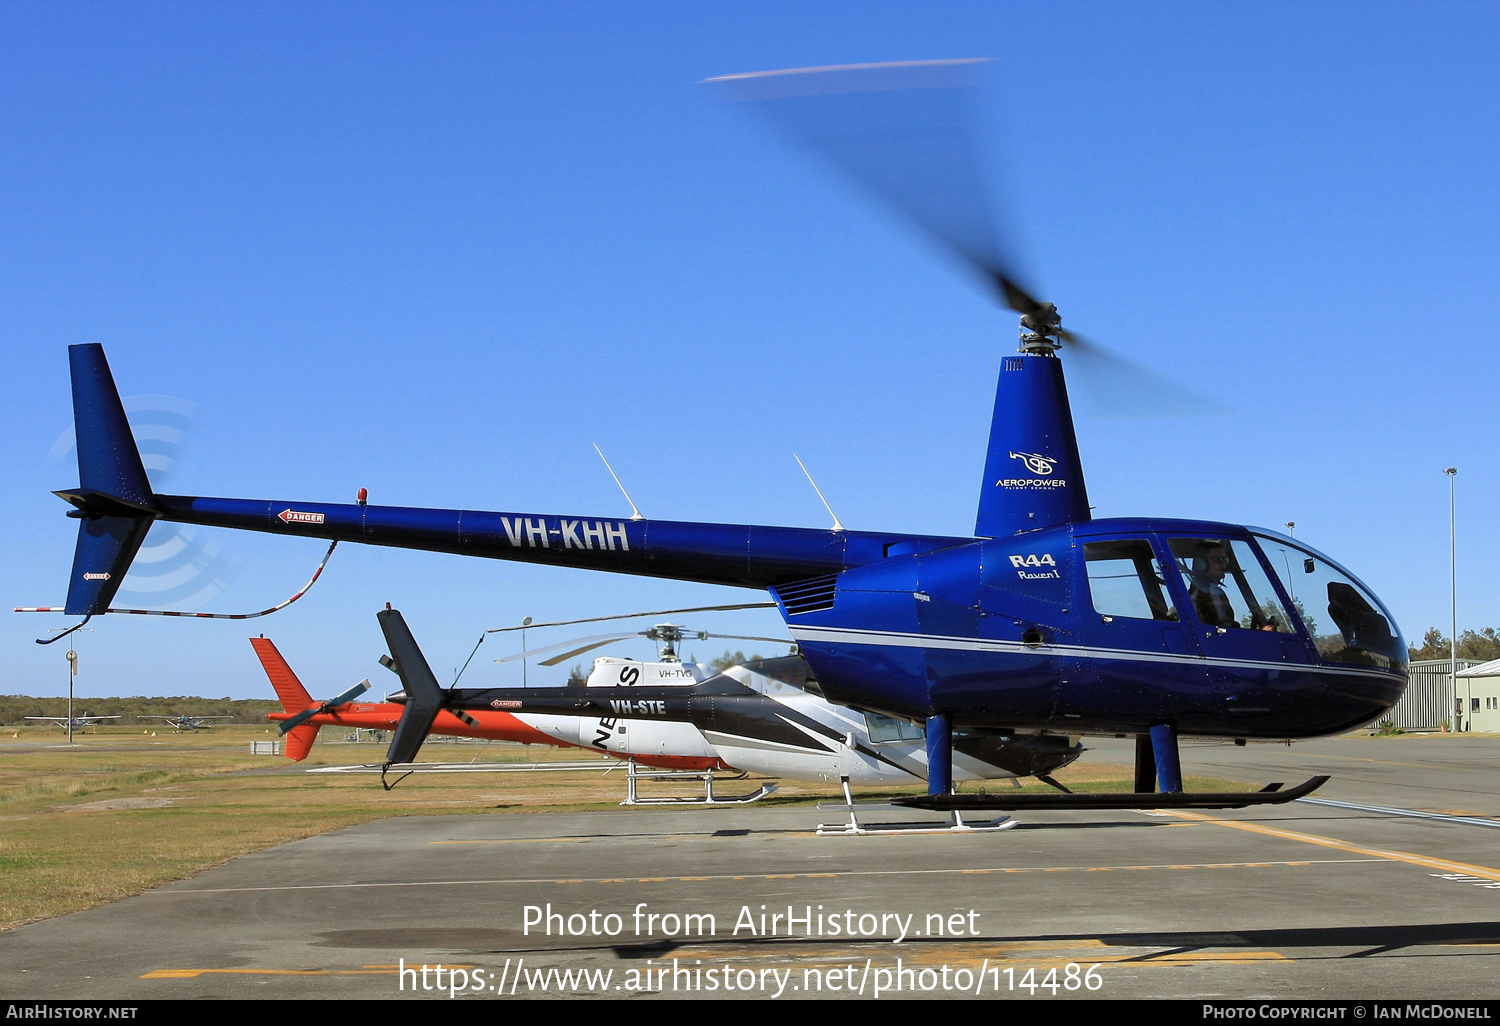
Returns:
(77, 722)
(186, 722)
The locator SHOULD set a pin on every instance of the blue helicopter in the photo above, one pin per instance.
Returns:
(1046, 621)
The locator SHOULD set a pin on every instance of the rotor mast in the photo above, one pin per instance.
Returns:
(1041, 330)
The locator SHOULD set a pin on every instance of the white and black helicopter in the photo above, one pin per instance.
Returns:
(765, 716)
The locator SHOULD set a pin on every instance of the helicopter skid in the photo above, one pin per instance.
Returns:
(708, 799)
(1271, 794)
(634, 774)
(955, 824)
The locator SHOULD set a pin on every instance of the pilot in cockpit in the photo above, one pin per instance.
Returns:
(1206, 585)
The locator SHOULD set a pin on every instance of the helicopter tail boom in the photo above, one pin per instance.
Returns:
(739, 555)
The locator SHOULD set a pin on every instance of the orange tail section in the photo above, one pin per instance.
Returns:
(294, 697)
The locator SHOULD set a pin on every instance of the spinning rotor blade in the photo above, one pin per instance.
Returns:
(904, 132)
(1114, 388)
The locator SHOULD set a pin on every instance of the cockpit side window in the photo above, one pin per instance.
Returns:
(1123, 580)
(1345, 621)
(1228, 586)
(884, 728)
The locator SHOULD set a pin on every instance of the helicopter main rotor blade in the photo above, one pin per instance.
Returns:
(631, 616)
(593, 641)
(748, 637)
(904, 132)
(586, 648)
(1115, 388)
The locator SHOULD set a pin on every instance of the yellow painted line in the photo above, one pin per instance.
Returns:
(1424, 861)
(524, 840)
(1009, 956)
(375, 970)
(1379, 762)
(1194, 957)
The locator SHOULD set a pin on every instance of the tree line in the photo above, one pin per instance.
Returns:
(1483, 645)
(15, 708)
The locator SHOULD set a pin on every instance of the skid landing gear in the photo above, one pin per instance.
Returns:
(1156, 764)
(633, 774)
(854, 828)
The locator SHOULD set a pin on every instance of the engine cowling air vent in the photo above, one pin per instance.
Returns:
(807, 596)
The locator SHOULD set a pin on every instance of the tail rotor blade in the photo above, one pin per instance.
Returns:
(292, 722)
(350, 695)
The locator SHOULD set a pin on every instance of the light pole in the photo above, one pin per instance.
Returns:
(72, 658)
(1458, 708)
(1291, 528)
(524, 624)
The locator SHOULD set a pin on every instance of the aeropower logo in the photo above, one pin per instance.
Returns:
(1042, 466)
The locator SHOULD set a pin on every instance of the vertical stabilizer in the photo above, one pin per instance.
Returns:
(294, 697)
(424, 696)
(113, 498)
(108, 461)
(1032, 476)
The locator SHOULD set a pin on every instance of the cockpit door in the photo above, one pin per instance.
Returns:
(1240, 618)
(1133, 641)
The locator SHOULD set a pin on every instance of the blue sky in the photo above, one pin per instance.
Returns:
(436, 250)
